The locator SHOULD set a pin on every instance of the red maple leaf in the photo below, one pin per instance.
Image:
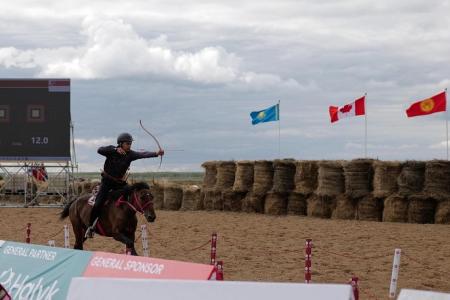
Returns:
(346, 108)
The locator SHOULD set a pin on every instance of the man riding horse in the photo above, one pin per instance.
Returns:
(118, 160)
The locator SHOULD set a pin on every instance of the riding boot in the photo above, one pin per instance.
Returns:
(92, 222)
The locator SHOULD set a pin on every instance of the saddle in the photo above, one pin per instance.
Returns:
(125, 191)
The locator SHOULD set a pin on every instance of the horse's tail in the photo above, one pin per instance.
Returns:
(65, 212)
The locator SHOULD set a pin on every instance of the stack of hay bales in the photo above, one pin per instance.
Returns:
(226, 171)
(410, 182)
(331, 183)
(243, 182)
(437, 188)
(358, 175)
(157, 190)
(305, 181)
(173, 196)
(191, 198)
(209, 181)
(262, 183)
(283, 183)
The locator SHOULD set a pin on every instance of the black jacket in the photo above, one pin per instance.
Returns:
(116, 165)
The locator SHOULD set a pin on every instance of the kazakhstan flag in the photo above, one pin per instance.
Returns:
(269, 114)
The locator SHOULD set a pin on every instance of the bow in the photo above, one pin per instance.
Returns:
(156, 140)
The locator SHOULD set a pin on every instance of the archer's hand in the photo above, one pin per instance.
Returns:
(160, 152)
(121, 151)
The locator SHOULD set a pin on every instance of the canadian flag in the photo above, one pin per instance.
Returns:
(356, 108)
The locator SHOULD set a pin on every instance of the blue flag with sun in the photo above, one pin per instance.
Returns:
(267, 115)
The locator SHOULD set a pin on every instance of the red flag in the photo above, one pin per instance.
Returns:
(428, 106)
(356, 108)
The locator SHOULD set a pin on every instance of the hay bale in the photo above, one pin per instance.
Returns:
(232, 200)
(210, 199)
(253, 202)
(369, 208)
(173, 196)
(263, 177)
(191, 198)
(330, 178)
(442, 215)
(421, 209)
(157, 191)
(385, 178)
(283, 175)
(225, 175)
(358, 175)
(411, 178)
(244, 176)
(395, 209)
(305, 179)
(437, 179)
(210, 177)
(276, 203)
(297, 204)
(345, 208)
(320, 206)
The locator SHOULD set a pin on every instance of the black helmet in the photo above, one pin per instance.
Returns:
(124, 137)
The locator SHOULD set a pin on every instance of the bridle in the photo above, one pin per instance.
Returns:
(136, 205)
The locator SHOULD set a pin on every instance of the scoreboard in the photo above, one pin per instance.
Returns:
(35, 119)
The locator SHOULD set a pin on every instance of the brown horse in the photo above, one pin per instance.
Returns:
(118, 217)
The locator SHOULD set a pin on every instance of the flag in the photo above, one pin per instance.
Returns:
(269, 114)
(356, 108)
(428, 106)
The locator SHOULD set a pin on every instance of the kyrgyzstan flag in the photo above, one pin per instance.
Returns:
(356, 108)
(428, 106)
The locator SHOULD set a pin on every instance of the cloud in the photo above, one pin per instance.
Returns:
(113, 49)
(94, 143)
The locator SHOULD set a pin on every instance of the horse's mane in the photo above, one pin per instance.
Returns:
(128, 189)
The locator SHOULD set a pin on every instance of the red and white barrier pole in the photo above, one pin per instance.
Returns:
(219, 270)
(28, 238)
(308, 253)
(395, 269)
(354, 284)
(66, 236)
(144, 240)
(213, 248)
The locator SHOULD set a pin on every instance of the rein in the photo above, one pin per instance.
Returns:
(136, 204)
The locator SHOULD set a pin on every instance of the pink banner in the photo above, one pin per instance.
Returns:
(104, 264)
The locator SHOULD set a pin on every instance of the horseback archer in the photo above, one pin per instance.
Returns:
(117, 163)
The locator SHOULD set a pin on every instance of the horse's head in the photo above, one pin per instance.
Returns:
(144, 201)
(146, 198)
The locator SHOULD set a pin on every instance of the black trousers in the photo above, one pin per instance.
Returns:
(105, 186)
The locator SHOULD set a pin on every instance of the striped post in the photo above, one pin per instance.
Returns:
(219, 274)
(144, 240)
(213, 248)
(66, 236)
(28, 238)
(354, 284)
(394, 276)
(308, 253)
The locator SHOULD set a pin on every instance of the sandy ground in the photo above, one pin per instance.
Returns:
(270, 248)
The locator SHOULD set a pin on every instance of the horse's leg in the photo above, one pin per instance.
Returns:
(79, 235)
(129, 243)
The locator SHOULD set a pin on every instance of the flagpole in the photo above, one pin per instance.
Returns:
(365, 125)
(446, 121)
(279, 130)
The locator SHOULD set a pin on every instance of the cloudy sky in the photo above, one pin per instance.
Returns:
(194, 70)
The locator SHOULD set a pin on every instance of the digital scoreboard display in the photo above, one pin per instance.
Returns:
(35, 119)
